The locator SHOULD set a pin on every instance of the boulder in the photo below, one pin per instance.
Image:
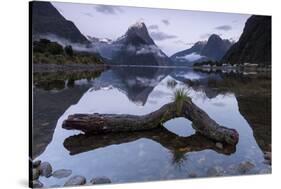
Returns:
(100, 180)
(45, 169)
(75, 181)
(62, 173)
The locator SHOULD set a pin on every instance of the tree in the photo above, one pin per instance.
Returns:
(68, 50)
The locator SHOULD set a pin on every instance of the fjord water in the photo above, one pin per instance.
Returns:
(176, 151)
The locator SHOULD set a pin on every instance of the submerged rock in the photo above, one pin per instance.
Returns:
(75, 181)
(265, 171)
(245, 167)
(215, 171)
(192, 175)
(45, 169)
(62, 173)
(35, 174)
(37, 184)
(100, 180)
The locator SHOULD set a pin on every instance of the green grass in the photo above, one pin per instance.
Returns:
(179, 96)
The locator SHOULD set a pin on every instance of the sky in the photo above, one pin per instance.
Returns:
(172, 30)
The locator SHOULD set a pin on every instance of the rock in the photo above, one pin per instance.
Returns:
(192, 175)
(37, 184)
(55, 186)
(267, 156)
(36, 164)
(219, 145)
(62, 173)
(265, 171)
(215, 171)
(75, 181)
(45, 169)
(35, 174)
(245, 167)
(100, 180)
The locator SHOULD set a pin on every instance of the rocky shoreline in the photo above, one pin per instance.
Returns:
(44, 169)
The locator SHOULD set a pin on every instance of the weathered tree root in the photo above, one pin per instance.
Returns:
(107, 123)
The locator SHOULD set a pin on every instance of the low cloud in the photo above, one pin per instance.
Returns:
(205, 35)
(153, 27)
(190, 57)
(88, 14)
(179, 42)
(166, 22)
(107, 9)
(160, 36)
(149, 49)
(224, 27)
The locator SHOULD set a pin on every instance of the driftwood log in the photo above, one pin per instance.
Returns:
(107, 123)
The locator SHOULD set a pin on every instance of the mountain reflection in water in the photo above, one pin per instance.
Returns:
(138, 156)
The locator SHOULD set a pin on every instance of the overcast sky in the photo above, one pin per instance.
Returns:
(172, 30)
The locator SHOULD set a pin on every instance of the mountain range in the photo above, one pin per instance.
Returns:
(212, 49)
(254, 45)
(46, 20)
(136, 47)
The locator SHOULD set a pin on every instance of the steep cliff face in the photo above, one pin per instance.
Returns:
(46, 20)
(216, 47)
(254, 45)
(136, 47)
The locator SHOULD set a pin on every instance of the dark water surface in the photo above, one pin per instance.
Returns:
(235, 100)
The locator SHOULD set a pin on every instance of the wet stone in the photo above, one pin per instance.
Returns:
(267, 155)
(45, 169)
(215, 171)
(245, 167)
(192, 175)
(37, 184)
(75, 181)
(35, 174)
(265, 171)
(36, 164)
(62, 173)
(100, 180)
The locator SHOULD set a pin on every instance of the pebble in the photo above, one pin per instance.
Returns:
(215, 171)
(45, 169)
(75, 181)
(192, 175)
(245, 167)
(62, 173)
(37, 184)
(36, 163)
(35, 174)
(100, 180)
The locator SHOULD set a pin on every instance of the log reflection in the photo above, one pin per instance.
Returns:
(177, 145)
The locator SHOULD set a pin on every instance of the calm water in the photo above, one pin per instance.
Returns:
(237, 101)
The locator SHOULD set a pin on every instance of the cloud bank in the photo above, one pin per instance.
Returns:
(160, 36)
(107, 9)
